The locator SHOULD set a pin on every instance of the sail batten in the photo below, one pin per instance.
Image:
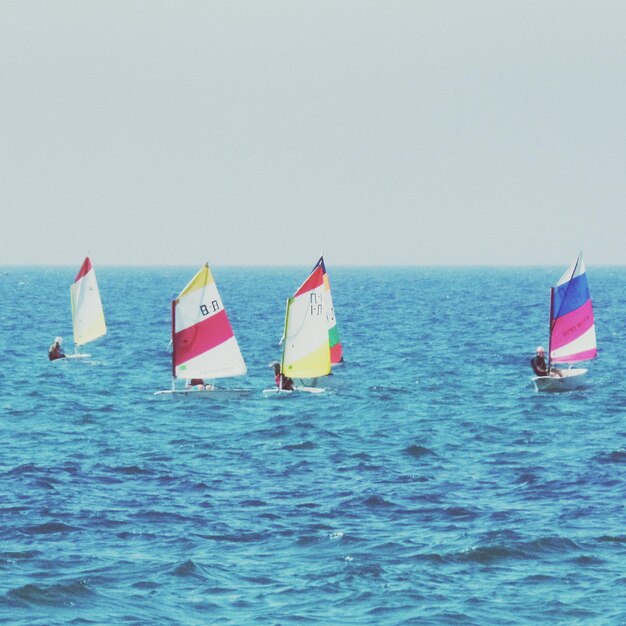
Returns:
(572, 326)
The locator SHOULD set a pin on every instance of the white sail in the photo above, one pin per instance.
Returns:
(87, 313)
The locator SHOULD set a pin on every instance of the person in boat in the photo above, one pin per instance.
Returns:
(282, 381)
(198, 383)
(55, 351)
(539, 365)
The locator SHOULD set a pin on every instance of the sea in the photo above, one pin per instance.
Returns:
(431, 484)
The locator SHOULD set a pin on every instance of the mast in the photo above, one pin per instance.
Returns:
(173, 345)
(551, 326)
(284, 342)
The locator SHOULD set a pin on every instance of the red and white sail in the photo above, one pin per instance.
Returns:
(204, 345)
(87, 313)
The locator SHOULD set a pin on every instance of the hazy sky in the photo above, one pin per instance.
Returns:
(265, 132)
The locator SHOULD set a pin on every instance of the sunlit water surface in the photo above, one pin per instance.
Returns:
(432, 486)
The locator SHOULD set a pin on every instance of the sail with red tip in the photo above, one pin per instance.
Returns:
(87, 313)
(306, 349)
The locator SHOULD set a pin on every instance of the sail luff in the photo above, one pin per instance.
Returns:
(551, 325)
(286, 324)
(173, 342)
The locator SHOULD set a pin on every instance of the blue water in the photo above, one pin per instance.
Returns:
(434, 486)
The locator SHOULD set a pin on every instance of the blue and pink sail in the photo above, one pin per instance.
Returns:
(572, 328)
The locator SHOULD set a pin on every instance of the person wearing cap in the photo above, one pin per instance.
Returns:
(282, 381)
(538, 363)
(540, 366)
(55, 351)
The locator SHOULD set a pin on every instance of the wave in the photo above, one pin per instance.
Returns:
(612, 539)
(58, 595)
(510, 549)
(10, 557)
(305, 445)
(27, 468)
(131, 470)
(188, 569)
(616, 456)
(250, 537)
(49, 527)
(417, 451)
(376, 502)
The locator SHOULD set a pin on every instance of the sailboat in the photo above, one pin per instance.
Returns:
(87, 313)
(572, 330)
(306, 347)
(334, 342)
(204, 346)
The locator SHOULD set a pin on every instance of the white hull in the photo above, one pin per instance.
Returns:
(67, 357)
(275, 391)
(328, 381)
(568, 380)
(203, 393)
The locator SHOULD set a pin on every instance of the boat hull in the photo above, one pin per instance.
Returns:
(72, 357)
(202, 393)
(328, 381)
(568, 380)
(275, 391)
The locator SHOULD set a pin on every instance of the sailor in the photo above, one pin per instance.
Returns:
(282, 381)
(538, 363)
(55, 351)
(198, 383)
(540, 366)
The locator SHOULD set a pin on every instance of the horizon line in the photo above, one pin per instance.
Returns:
(298, 265)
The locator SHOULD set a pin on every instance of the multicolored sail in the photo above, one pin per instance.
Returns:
(87, 313)
(572, 328)
(336, 350)
(204, 345)
(306, 351)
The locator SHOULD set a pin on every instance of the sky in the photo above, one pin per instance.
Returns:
(151, 132)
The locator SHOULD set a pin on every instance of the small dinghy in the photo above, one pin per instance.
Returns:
(204, 347)
(306, 345)
(572, 330)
